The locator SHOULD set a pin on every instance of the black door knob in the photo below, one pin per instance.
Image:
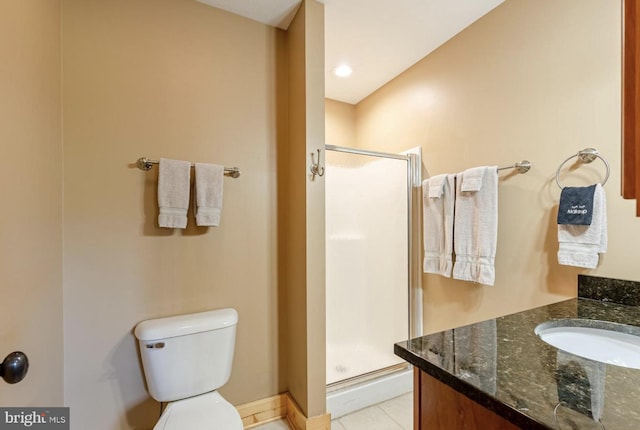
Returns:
(14, 367)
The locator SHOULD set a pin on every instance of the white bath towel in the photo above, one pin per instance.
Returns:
(173, 192)
(476, 225)
(579, 245)
(437, 204)
(209, 181)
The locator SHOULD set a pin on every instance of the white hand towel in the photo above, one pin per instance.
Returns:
(173, 192)
(476, 225)
(472, 179)
(579, 245)
(435, 186)
(437, 204)
(209, 181)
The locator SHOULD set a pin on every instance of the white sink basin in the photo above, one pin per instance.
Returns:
(602, 341)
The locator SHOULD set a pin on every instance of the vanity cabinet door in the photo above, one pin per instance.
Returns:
(439, 407)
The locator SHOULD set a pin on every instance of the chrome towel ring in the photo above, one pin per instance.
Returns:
(586, 155)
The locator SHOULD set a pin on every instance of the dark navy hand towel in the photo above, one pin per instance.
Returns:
(576, 205)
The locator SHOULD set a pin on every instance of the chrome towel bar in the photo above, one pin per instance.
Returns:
(522, 166)
(144, 163)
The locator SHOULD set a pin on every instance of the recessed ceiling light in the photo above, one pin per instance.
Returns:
(342, 71)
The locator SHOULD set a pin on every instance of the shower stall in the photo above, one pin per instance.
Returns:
(372, 292)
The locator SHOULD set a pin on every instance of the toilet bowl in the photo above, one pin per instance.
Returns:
(205, 412)
(185, 359)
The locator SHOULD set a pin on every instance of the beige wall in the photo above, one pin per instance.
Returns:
(536, 80)
(175, 79)
(315, 231)
(31, 193)
(156, 78)
(340, 121)
(304, 212)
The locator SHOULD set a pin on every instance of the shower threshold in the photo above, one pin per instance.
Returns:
(350, 395)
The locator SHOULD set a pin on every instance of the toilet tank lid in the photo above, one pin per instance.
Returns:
(182, 325)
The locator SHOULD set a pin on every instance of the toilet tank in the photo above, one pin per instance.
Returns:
(187, 355)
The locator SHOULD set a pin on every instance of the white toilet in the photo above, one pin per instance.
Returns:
(185, 359)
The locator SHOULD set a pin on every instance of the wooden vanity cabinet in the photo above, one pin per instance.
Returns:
(436, 406)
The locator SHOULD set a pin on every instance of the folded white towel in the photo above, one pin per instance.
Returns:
(435, 186)
(579, 245)
(476, 225)
(174, 178)
(437, 204)
(472, 179)
(209, 181)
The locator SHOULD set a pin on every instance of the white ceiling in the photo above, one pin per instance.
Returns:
(277, 13)
(378, 38)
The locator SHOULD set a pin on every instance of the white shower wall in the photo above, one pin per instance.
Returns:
(367, 263)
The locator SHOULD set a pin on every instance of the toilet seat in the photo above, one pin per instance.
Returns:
(204, 412)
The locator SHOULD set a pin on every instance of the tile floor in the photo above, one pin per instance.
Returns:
(394, 414)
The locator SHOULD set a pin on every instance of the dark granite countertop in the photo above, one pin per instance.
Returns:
(503, 365)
